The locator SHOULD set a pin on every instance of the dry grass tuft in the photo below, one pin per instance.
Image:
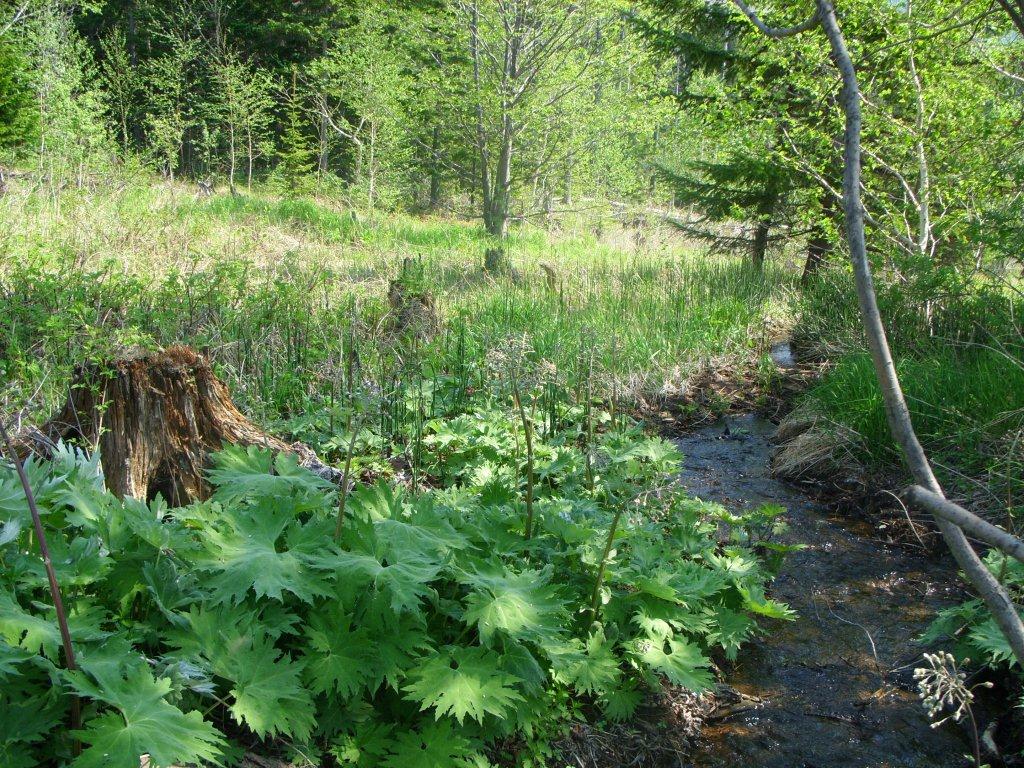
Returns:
(814, 447)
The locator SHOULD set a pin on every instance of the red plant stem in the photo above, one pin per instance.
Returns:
(44, 550)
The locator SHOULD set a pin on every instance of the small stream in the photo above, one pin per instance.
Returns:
(819, 692)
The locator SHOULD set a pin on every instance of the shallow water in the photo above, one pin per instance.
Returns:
(819, 692)
(782, 354)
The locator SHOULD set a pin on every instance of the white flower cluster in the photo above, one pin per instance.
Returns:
(943, 684)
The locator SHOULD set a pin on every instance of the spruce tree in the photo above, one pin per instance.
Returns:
(296, 159)
(746, 179)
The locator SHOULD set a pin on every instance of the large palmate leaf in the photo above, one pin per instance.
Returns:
(755, 601)
(405, 582)
(461, 682)
(11, 657)
(263, 550)
(144, 724)
(590, 668)
(523, 606)
(681, 662)
(337, 658)
(256, 473)
(268, 695)
(991, 640)
(730, 629)
(434, 745)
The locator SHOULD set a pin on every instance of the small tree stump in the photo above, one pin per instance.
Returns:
(413, 311)
(157, 417)
(494, 260)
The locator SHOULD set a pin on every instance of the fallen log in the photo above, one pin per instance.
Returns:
(156, 417)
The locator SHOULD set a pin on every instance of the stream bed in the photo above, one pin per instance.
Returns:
(834, 687)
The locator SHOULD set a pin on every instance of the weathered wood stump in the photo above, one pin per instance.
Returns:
(157, 417)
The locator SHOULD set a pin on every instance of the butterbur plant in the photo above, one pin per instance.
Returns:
(424, 632)
(946, 695)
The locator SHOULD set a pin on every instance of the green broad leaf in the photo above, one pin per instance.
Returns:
(264, 551)
(144, 724)
(89, 505)
(169, 588)
(9, 531)
(27, 719)
(521, 663)
(754, 600)
(523, 606)
(434, 745)
(423, 532)
(406, 582)
(22, 629)
(11, 656)
(595, 670)
(730, 629)
(76, 563)
(463, 682)
(397, 643)
(376, 502)
(255, 473)
(656, 450)
(621, 704)
(268, 695)
(366, 746)
(681, 662)
(695, 582)
(17, 755)
(337, 658)
(990, 639)
(653, 627)
(660, 586)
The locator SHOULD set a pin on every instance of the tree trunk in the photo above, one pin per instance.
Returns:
(321, 161)
(248, 155)
(156, 417)
(818, 244)
(231, 166)
(494, 260)
(759, 246)
(435, 169)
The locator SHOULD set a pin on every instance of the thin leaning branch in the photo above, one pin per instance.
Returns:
(981, 529)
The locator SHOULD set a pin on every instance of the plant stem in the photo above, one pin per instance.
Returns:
(590, 424)
(51, 575)
(528, 433)
(343, 491)
(595, 600)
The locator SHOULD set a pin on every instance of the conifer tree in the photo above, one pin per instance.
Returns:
(296, 159)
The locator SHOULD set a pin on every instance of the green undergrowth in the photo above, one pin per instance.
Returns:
(422, 627)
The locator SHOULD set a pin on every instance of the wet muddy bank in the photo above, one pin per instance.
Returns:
(835, 686)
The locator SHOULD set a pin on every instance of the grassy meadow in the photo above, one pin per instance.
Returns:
(281, 293)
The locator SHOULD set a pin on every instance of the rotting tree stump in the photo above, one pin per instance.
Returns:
(156, 418)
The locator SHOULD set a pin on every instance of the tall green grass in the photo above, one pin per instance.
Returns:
(961, 363)
(281, 293)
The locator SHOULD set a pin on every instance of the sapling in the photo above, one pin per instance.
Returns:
(354, 425)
